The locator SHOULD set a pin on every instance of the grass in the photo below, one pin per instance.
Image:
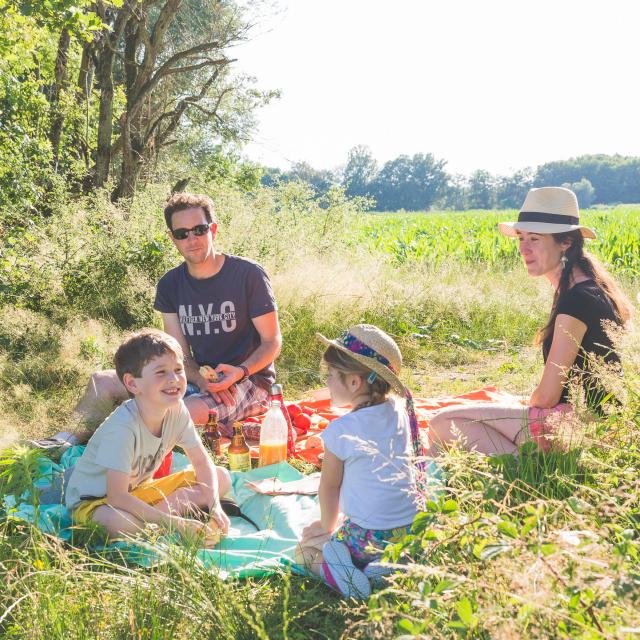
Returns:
(538, 546)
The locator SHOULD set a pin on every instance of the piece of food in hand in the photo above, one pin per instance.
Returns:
(322, 423)
(293, 410)
(209, 373)
(314, 442)
(212, 535)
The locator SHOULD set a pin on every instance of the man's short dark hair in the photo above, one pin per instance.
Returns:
(140, 348)
(182, 201)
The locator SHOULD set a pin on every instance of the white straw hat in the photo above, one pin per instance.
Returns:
(548, 210)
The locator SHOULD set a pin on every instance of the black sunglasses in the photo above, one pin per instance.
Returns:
(198, 230)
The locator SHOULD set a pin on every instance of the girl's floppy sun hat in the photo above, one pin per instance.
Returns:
(548, 210)
(373, 348)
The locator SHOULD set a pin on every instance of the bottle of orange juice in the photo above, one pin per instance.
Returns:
(273, 436)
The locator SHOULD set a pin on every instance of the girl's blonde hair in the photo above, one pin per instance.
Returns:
(344, 364)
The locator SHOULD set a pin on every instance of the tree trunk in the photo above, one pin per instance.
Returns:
(84, 85)
(104, 76)
(60, 84)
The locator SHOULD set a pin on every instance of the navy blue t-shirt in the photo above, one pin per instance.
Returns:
(215, 313)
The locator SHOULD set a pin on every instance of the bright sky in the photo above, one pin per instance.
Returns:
(492, 84)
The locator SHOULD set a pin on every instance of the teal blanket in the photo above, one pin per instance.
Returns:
(244, 552)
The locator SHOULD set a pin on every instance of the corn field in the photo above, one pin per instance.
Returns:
(473, 237)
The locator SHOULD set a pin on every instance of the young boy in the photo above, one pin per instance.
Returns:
(111, 483)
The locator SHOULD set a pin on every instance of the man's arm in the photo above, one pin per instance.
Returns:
(268, 328)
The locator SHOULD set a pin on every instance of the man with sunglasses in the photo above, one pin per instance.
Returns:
(222, 311)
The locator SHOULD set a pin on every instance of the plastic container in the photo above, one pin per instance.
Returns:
(273, 436)
(276, 396)
(165, 467)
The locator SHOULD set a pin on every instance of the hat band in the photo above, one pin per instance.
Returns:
(552, 218)
(350, 342)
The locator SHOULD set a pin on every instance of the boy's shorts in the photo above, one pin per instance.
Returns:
(251, 400)
(151, 492)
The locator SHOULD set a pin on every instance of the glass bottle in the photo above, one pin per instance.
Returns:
(239, 452)
(273, 436)
(212, 433)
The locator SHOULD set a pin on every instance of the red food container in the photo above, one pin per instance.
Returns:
(165, 467)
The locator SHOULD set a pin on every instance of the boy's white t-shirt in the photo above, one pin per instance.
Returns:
(123, 443)
(378, 486)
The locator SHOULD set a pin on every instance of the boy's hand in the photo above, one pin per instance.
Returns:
(204, 534)
(220, 518)
(190, 527)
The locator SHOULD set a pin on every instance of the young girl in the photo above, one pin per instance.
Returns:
(372, 465)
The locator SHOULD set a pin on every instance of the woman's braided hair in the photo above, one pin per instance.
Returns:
(592, 268)
(344, 364)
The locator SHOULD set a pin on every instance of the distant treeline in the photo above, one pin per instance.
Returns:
(420, 182)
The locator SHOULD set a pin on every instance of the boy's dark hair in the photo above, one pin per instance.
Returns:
(182, 201)
(140, 348)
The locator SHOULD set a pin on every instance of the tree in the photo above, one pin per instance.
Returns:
(481, 190)
(409, 183)
(614, 178)
(511, 190)
(149, 73)
(320, 179)
(177, 73)
(360, 172)
(584, 192)
(454, 194)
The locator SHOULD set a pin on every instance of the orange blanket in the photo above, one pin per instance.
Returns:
(425, 409)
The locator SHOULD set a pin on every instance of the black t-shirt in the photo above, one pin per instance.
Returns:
(587, 302)
(215, 313)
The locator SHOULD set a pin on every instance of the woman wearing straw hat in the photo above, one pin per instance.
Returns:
(373, 469)
(551, 243)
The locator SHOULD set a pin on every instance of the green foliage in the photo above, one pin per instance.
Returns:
(360, 172)
(614, 178)
(584, 192)
(542, 545)
(18, 470)
(472, 237)
(410, 183)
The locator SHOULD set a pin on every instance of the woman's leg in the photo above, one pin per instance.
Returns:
(488, 428)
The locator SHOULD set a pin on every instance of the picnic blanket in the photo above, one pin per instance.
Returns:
(244, 552)
(425, 409)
